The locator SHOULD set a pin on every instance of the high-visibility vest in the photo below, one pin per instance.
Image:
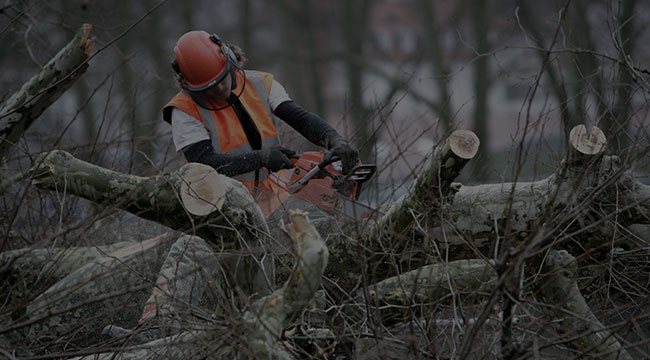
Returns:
(226, 132)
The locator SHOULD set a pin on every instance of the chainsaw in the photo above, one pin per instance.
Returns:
(322, 183)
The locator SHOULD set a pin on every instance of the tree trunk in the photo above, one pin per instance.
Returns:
(480, 11)
(439, 67)
(354, 19)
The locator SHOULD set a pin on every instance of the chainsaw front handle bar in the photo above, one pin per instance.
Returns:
(311, 173)
(332, 159)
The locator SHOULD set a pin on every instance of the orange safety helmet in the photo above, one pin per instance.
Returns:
(202, 62)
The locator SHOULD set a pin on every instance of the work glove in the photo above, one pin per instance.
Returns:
(276, 158)
(340, 148)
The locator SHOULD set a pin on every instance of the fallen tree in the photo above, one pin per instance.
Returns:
(503, 232)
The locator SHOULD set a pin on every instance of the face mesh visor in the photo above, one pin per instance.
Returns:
(209, 98)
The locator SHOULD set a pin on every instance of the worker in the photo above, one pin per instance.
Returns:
(225, 116)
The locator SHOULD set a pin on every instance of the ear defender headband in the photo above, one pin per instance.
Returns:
(225, 50)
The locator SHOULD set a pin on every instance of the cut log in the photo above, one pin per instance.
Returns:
(431, 186)
(473, 217)
(194, 199)
(432, 283)
(395, 236)
(396, 298)
(579, 170)
(100, 292)
(587, 142)
(202, 190)
(22, 108)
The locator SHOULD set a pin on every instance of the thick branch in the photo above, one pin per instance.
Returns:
(54, 263)
(397, 296)
(193, 199)
(558, 288)
(473, 218)
(586, 149)
(36, 95)
(96, 292)
(434, 282)
(270, 315)
(433, 184)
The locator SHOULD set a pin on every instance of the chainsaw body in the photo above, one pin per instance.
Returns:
(322, 182)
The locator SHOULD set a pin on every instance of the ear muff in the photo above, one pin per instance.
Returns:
(226, 50)
(177, 70)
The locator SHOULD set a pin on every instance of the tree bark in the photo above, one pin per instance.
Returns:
(573, 318)
(397, 298)
(270, 315)
(19, 111)
(81, 303)
(432, 185)
(53, 263)
(434, 282)
(397, 236)
(195, 199)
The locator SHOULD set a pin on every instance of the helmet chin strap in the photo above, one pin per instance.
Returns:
(233, 80)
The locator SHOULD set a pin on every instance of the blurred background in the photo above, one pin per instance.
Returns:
(393, 76)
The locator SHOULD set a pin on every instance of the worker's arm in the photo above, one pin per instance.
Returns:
(193, 140)
(229, 165)
(274, 158)
(316, 130)
(308, 124)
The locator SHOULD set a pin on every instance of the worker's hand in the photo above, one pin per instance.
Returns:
(276, 158)
(340, 148)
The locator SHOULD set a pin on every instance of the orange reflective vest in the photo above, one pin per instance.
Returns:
(228, 136)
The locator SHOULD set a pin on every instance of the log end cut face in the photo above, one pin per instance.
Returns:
(202, 190)
(464, 143)
(587, 142)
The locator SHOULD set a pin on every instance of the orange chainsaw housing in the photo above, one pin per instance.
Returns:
(323, 188)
